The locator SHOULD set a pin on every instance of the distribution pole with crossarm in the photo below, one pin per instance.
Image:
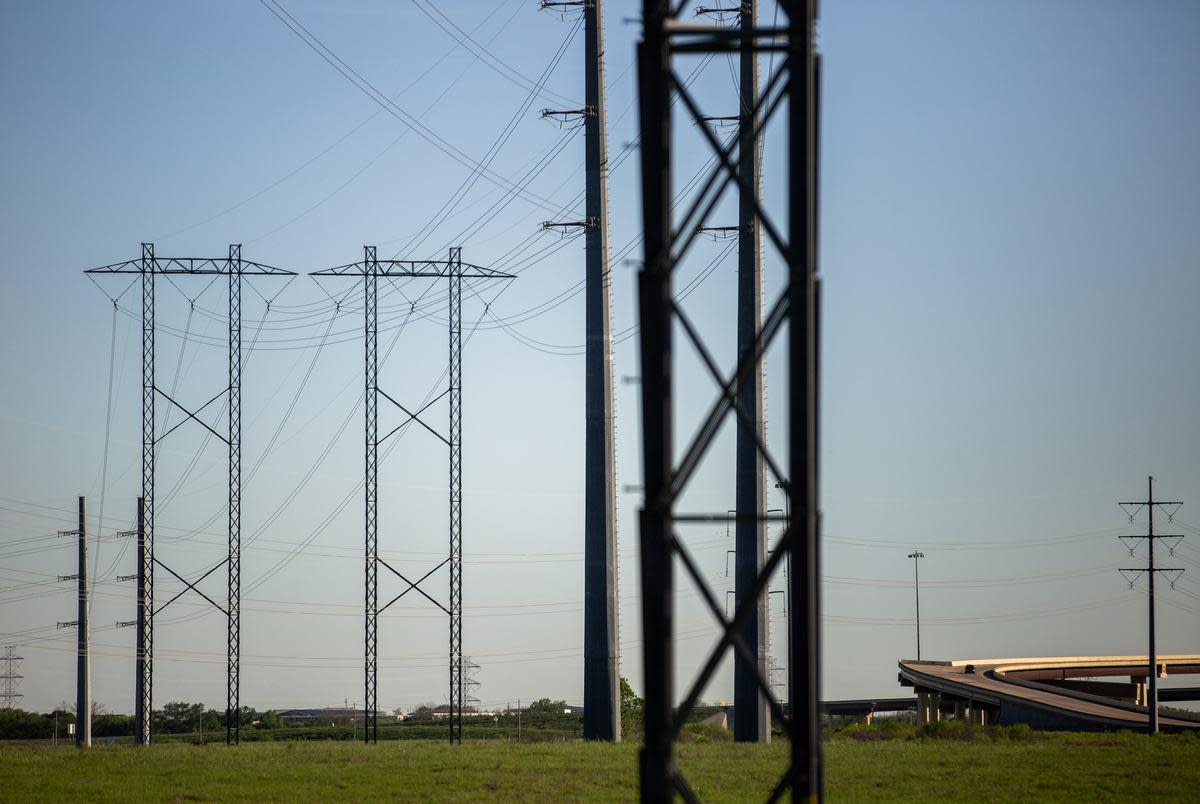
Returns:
(1151, 571)
(236, 269)
(370, 269)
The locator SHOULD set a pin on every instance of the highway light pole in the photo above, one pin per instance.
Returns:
(916, 556)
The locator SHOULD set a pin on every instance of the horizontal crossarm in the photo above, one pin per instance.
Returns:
(414, 268)
(201, 266)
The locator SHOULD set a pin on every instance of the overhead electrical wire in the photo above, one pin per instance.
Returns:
(394, 109)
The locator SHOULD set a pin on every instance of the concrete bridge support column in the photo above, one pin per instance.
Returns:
(928, 707)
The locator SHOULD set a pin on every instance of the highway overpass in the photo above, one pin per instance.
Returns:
(1075, 693)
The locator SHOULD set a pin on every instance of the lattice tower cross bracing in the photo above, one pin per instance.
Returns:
(453, 270)
(148, 267)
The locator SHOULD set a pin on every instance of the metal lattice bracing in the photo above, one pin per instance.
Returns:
(454, 271)
(371, 491)
(455, 438)
(791, 87)
(10, 677)
(148, 267)
(146, 557)
(234, 562)
(142, 702)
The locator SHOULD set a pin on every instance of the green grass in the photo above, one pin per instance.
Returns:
(862, 765)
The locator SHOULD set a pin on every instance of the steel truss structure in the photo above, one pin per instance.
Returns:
(370, 268)
(791, 86)
(235, 268)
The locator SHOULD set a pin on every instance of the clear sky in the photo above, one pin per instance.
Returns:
(1009, 249)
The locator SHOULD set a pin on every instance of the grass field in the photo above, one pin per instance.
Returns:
(863, 766)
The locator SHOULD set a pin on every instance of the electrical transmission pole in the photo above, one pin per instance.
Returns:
(1151, 537)
(601, 648)
(371, 268)
(83, 663)
(752, 721)
(669, 234)
(10, 676)
(83, 671)
(236, 269)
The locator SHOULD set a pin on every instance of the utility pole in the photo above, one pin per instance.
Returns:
(83, 666)
(1151, 656)
(752, 722)
(601, 648)
(916, 556)
(10, 677)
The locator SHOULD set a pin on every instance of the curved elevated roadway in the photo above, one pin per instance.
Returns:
(1050, 693)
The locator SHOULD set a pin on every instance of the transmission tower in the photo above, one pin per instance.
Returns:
(472, 683)
(601, 636)
(10, 677)
(370, 268)
(236, 269)
(1131, 574)
(752, 721)
(668, 237)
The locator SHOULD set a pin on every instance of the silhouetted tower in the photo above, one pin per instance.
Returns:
(601, 636)
(669, 231)
(752, 721)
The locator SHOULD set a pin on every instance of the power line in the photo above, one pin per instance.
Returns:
(392, 108)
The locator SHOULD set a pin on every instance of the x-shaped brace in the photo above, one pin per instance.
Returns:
(191, 415)
(413, 585)
(189, 585)
(412, 417)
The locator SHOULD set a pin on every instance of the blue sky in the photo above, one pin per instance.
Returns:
(1009, 252)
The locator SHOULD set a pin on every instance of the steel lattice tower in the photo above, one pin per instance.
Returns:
(145, 637)
(454, 270)
(370, 489)
(10, 677)
(669, 234)
(236, 269)
(370, 269)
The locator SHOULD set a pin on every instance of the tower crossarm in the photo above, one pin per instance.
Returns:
(200, 266)
(413, 268)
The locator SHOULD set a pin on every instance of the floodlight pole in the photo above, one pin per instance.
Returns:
(916, 556)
